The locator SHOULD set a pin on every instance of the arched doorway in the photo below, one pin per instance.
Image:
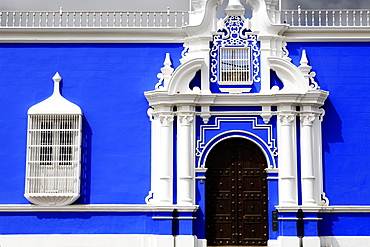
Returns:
(236, 212)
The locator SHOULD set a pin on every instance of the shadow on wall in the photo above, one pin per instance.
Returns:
(325, 226)
(331, 131)
(85, 163)
(331, 126)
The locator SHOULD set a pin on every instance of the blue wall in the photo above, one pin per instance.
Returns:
(344, 224)
(107, 81)
(343, 70)
(84, 223)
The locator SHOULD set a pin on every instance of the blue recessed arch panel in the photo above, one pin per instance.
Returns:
(249, 127)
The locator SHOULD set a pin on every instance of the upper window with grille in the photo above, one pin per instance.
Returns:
(234, 65)
(235, 57)
(53, 151)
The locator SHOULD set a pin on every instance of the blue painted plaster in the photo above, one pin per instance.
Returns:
(107, 81)
(84, 223)
(344, 224)
(343, 70)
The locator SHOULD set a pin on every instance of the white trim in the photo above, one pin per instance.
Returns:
(284, 241)
(345, 209)
(327, 34)
(272, 243)
(202, 145)
(312, 241)
(89, 240)
(202, 243)
(95, 35)
(96, 208)
(345, 241)
(173, 218)
(326, 209)
(307, 219)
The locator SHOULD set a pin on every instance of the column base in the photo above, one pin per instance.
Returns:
(202, 243)
(185, 241)
(289, 241)
(311, 241)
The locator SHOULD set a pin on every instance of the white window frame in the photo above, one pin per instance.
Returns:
(54, 137)
(235, 66)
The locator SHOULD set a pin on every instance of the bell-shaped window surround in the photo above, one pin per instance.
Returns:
(53, 151)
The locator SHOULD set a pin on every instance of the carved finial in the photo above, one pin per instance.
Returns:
(56, 78)
(304, 67)
(234, 8)
(304, 60)
(165, 76)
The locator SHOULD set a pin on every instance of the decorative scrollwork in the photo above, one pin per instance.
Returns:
(313, 84)
(235, 33)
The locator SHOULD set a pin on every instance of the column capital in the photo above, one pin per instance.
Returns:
(165, 120)
(286, 118)
(185, 119)
(307, 119)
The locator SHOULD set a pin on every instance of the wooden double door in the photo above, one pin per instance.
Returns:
(236, 197)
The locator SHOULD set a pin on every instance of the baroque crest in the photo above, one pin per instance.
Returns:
(235, 34)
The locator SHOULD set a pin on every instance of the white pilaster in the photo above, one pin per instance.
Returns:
(321, 199)
(165, 169)
(287, 161)
(185, 164)
(307, 160)
(155, 149)
(265, 69)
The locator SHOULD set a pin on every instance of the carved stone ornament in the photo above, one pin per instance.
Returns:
(307, 119)
(287, 119)
(235, 33)
(186, 119)
(166, 120)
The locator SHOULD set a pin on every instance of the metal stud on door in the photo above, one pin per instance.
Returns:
(236, 194)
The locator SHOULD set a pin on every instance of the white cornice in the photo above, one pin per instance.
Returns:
(96, 208)
(92, 35)
(327, 34)
(314, 97)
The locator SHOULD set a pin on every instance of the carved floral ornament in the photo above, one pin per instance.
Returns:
(307, 119)
(166, 120)
(287, 119)
(186, 119)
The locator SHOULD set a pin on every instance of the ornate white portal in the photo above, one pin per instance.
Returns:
(237, 98)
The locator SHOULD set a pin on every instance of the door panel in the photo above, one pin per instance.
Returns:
(236, 194)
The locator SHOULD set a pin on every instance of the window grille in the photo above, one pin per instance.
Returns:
(53, 159)
(234, 65)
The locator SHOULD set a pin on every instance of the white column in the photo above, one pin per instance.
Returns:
(185, 166)
(287, 161)
(307, 160)
(164, 190)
